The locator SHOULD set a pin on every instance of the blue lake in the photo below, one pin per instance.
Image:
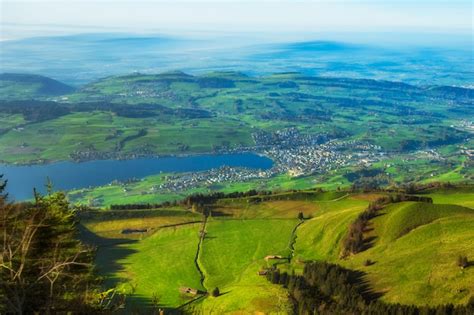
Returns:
(69, 175)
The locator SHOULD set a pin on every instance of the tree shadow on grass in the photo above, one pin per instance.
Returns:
(224, 293)
(363, 285)
(109, 251)
(368, 243)
(136, 304)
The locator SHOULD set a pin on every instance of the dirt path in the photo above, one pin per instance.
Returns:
(202, 235)
(293, 240)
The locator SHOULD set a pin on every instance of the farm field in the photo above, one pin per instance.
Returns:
(232, 253)
(242, 231)
(320, 132)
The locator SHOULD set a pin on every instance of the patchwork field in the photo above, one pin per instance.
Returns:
(413, 249)
(400, 132)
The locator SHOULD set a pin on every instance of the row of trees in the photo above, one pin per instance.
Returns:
(198, 200)
(325, 288)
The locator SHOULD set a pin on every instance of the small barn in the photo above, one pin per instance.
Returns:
(187, 290)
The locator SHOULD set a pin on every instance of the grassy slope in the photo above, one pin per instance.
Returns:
(112, 227)
(233, 252)
(462, 197)
(397, 220)
(262, 229)
(319, 238)
(419, 267)
(159, 264)
(415, 250)
(170, 247)
(415, 267)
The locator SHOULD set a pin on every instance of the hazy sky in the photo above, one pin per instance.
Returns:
(36, 17)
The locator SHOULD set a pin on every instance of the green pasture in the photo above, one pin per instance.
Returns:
(232, 253)
(415, 251)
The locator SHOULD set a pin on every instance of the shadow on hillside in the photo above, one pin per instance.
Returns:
(359, 278)
(142, 305)
(109, 251)
(368, 243)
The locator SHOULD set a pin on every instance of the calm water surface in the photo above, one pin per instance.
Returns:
(69, 175)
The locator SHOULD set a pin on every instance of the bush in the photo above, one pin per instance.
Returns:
(216, 292)
(462, 261)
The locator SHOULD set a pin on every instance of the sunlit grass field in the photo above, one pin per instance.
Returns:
(232, 254)
(413, 252)
(159, 265)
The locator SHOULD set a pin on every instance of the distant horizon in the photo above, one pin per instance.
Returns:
(274, 19)
(81, 58)
(379, 38)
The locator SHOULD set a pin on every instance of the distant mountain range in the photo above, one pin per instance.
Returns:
(76, 59)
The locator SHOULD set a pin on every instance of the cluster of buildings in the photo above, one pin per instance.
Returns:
(466, 125)
(291, 152)
(183, 181)
(312, 159)
(287, 138)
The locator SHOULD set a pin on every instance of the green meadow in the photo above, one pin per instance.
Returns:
(232, 253)
(413, 250)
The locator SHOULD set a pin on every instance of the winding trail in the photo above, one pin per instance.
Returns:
(293, 240)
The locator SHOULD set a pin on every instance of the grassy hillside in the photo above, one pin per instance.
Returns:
(413, 251)
(161, 264)
(232, 254)
(398, 220)
(320, 237)
(462, 196)
(238, 237)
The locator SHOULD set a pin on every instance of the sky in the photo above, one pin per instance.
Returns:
(184, 17)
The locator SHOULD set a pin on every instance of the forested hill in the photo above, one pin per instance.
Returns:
(46, 86)
(27, 86)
